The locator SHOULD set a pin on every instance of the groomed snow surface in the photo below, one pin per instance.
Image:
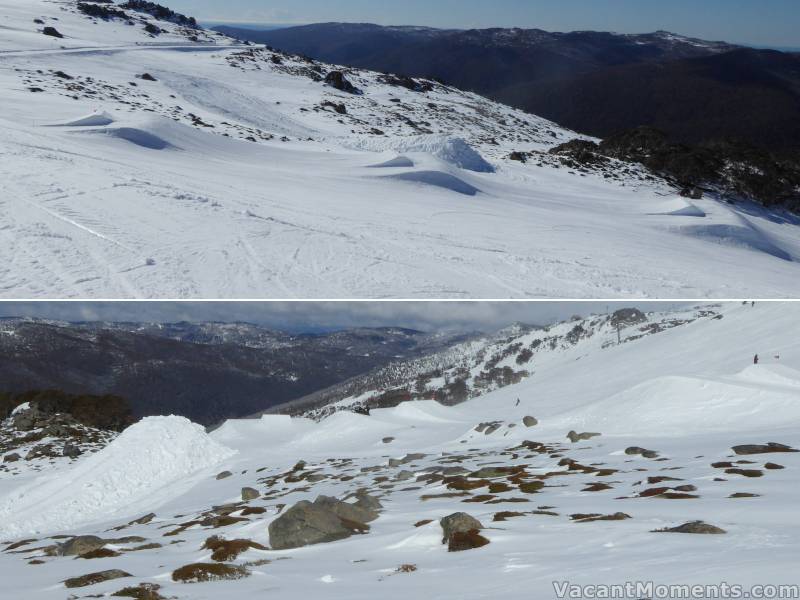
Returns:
(116, 186)
(690, 393)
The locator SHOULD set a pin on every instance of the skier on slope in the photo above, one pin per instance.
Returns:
(755, 359)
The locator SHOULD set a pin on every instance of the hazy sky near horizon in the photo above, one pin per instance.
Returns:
(759, 22)
(320, 316)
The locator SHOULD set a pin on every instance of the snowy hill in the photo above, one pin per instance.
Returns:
(479, 366)
(670, 429)
(144, 165)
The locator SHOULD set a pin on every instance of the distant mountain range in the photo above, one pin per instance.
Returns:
(594, 82)
(207, 372)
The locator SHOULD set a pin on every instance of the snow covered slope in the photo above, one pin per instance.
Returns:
(685, 397)
(186, 165)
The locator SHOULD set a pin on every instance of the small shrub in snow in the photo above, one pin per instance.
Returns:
(201, 572)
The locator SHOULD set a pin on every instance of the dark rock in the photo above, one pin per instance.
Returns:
(305, 524)
(71, 450)
(147, 77)
(458, 523)
(80, 545)
(771, 447)
(337, 80)
(249, 493)
(9, 458)
(345, 510)
(745, 472)
(370, 503)
(224, 475)
(694, 527)
(634, 450)
(52, 32)
(576, 437)
(530, 421)
(773, 466)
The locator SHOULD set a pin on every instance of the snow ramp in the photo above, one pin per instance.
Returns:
(149, 463)
(679, 405)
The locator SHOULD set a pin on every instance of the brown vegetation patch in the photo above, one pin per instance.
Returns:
(678, 496)
(462, 483)
(99, 553)
(144, 591)
(509, 500)
(661, 479)
(466, 540)
(444, 495)
(423, 522)
(531, 487)
(226, 550)
(499, 487)
(93, 578)
(597, 487)
(505, 515)
(253, 510)
(745, 472)
(201, 572)
(406, 569)
(481, 498)
(590, 518)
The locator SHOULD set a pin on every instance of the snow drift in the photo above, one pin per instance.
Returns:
(452, 150)
(128, 475)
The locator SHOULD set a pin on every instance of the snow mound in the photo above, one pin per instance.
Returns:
(134, 135)
(97, 119)
(394, 163)
(677, 405)
(438, 179)
(771, 374)
(737, 236)
(452, 150)
(678, 207)
(147, 464)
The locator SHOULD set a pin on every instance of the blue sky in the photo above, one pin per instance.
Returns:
(760, 22)
(316, 316)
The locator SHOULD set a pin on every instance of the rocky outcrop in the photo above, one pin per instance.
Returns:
(81, 545)
(576, 437)
(698, 527)
(733, 169)
(325, 520)
(337, 79)
(771, 447)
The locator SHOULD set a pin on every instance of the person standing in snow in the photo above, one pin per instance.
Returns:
(755, 359)
(517, 401)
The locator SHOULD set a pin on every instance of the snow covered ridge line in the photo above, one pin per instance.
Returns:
(476, 368)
